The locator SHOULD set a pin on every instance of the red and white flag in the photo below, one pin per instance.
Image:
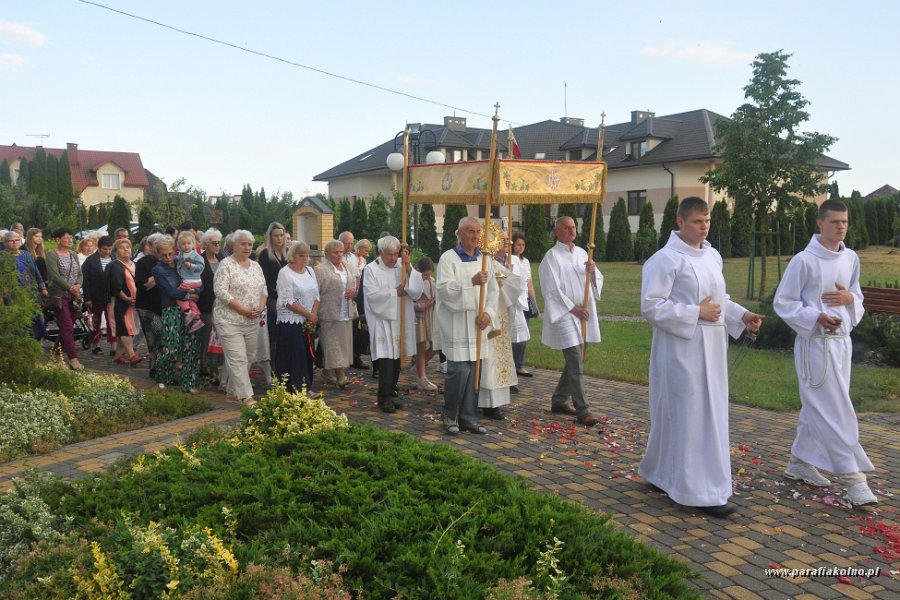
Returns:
(513, 145)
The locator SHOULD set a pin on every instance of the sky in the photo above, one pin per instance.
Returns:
(221, 117)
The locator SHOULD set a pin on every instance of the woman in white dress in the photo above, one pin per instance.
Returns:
(298, 303)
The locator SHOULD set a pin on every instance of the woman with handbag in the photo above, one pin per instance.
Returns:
(528, 308)
(123, 292)
(65, 278)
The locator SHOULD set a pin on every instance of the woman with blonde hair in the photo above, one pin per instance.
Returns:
(34, 243)
(123, 292)
(336, 313)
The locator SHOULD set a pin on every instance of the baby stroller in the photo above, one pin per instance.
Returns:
(80, 327)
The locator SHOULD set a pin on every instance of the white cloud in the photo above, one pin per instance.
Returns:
(12, 62)
(701, 52)
(22, 34)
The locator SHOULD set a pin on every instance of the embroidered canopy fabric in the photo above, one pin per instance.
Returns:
(518, 182)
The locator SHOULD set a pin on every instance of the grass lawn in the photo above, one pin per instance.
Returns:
(765, 378)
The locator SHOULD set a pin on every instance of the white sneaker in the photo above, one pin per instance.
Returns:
(162, 386)
(807, 473)
(859, 494)
(442, 367)
(425, 385)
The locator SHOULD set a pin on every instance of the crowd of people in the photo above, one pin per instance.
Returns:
(214, 306)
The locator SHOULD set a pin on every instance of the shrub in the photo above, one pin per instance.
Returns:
(282, 414)
(31, 419)
(774, 333)
(879, 334)
(25, 518)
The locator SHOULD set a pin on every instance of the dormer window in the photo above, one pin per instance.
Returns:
(637, 149)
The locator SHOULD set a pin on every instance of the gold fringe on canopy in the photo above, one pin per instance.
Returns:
(520, 182)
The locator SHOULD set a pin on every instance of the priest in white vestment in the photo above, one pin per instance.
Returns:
(683, 297)
(820, 299)
(563, 273)
(457, 324)
(383, 294)
(498, 370)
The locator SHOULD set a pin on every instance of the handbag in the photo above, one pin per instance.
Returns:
(215, 344)
(54, 300)
(532, 311)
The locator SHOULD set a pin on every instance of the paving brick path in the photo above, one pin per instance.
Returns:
(779, 524)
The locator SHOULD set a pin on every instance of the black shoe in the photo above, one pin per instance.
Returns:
(656, 488)
(473, 428)
(398, 402)
(387, 406)
(358, 364)
(374, 373)
(719, 512)
(524, 374)
(514, 389)
(494, 413)
(97, 350)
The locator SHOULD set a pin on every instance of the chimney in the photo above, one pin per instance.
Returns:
(72, 150)
(455, 124)
(640, 115)
(572, 121)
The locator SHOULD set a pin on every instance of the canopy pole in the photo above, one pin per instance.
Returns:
(403, 244)
(492, 181)
(591, 245)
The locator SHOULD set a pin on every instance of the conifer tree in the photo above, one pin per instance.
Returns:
(599, 233)
(37, 174)
(360, 225)
(720, 229)
(669, 222)
(52, 196)
(870, 210)
(379, 218)
(396, 220)
(146, 220)
(534, 227)
(222, 214)
(452, 214)
(198, 213)
(24, 174)
(120, 215)
(344, 218)
(5, 173)
(92, 221)
(645, 241)
(64, 179)
(885, 218)
(428, 241)
(618, 243)
(103, 215)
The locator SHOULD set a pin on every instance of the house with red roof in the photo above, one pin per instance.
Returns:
(98, 176)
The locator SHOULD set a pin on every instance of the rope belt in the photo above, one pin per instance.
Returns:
(807, 376)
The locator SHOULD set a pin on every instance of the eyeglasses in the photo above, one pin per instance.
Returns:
(216, 242)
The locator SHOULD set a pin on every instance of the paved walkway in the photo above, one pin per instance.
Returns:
(780, 523)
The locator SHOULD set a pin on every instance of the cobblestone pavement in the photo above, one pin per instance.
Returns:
(779, 523)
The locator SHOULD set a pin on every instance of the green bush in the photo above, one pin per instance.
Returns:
(774, 333)
(878, 334)
(17, 309)
(396, 516)
(32, 420)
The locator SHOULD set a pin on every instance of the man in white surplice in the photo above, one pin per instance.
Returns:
(498, 373)
(457, 324)
(683, 297)
(821, 300)
(563, 274)
(383, 295)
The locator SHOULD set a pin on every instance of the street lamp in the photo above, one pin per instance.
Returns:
(395, 161)
(79, 207)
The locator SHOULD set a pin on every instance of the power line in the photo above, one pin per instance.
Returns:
(286, 61)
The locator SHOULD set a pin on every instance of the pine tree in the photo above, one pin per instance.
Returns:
(741, 220)
(379, 218)
(198, 213)
(645, 241)
(720, 229)
(344, 218)
(452, 214)
(222, 213)
(52, 196)
(37, 174)
(103, 215)
(64, 179)
(92, 221)
(428, 242)
(5, 173)
(618, 243)
(885, 218)
(146, 219)
(669, 222)
(833, 192)
(360, 219)
(120, 215)
(24, 174)
(396, 221)
(534, 227)
(870, 209)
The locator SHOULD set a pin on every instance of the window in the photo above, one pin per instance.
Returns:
(636, 199)
(111, 181)
(638, 149)
(574, 154)
(540, 155)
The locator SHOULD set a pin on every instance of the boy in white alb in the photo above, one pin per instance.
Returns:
(821, 300)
